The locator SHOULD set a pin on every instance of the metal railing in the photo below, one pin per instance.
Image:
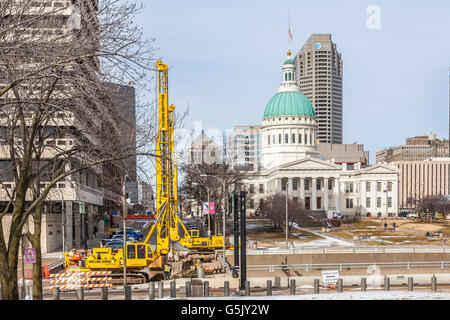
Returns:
(349, 265)
(351, 250)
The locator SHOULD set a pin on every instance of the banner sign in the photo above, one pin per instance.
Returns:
(30, 255)
(205, 207)
(211, 208)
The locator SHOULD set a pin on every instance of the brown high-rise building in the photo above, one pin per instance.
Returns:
(319, 75)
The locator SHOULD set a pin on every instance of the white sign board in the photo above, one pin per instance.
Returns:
(330, 276)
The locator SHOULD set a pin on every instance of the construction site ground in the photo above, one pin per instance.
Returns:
(262, 235)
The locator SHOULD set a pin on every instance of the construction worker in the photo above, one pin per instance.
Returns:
(167, 270)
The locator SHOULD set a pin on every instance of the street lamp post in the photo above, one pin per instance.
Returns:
(223, 208)
(287, 221)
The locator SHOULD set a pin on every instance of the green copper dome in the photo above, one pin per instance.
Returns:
(289, 61)
(289, 103)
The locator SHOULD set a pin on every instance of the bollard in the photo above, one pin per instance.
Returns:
(173, 289)
(104, 293)
(292, 287)
(151, 291)
(410, 284)
(206, 289)
(340, 285)
(55, 293)
(226, 288)
(363, 284)
(127, 292)
(316, 286)
(29, 293)
(247, 288)
(80, 293)
(277, 282)
(269, 287)
(386, 283)
(433, 283)
(160, 290)
(188, 289)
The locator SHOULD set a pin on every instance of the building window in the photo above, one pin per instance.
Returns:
(378, 186)
(389, 186)
(367, 186)
(252, 188)
(283, 184)
(306, 139)
(349, 203)
(261, 188)
(349, 187)
(273, 139)
(389, 202)
(330, 184)
(286, 138)
(318, 184)
(252, 204)
(378, 202)
(279, 138)
(294, 184)
(293, 138)
(306, 184)
(268, 139)
(367, 202)
(299, 138)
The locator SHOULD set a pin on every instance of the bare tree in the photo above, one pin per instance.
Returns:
(55, 63)
(274, 208)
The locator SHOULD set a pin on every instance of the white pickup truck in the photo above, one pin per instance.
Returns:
(413, 215)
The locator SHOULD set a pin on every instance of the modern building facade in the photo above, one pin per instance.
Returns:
(416, 149)
(247, 146)
(79, 202)
(420, 179)
(291, 163)
(319, 76)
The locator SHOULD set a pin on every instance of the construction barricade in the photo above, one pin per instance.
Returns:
(74, 280)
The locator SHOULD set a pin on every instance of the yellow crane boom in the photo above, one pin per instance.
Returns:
(168, 225)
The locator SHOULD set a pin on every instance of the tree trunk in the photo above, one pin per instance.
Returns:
(36, 242)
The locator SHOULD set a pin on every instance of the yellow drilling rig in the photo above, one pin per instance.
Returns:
(144, 261)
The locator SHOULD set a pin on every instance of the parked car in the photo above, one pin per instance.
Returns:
(438, 216)
(413, 215)
(120, 237)
(114, 244)
(130, 232)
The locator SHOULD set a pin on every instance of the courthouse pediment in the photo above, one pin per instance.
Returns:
(379, 168)
(309, 164)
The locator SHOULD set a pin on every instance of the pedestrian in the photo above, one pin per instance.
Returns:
(95, 231)
(167, 270)
(393, 225)
(385, 225)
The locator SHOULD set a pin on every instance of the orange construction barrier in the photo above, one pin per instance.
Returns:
(45, 272)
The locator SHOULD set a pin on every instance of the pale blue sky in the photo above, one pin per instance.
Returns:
(226, 57)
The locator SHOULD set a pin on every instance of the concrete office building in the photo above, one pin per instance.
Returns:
(344, 153)
(419, 179)
(416, 149)
(319, 76)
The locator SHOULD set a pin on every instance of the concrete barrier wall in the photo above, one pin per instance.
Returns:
(335, 258)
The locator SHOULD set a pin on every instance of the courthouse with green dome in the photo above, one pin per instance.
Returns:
(290, 162)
